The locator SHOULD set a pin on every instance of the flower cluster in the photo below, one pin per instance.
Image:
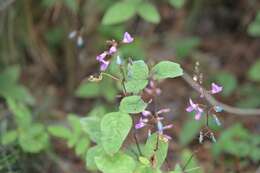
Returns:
(198, 109)
(112, 50)
(147, 117)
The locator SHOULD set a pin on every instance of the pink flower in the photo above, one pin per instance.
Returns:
(112, 50)
(215, 88)
(127, 38)
(101, 56)
(104, 65)
(141, 123)
(196, 108)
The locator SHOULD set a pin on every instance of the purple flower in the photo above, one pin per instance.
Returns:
(146, 113)
(196, 108)
(127, 38)
(161, 128)
(104, 65)
(141, 123)
(112, 50)
(215, 88)
(101, 57)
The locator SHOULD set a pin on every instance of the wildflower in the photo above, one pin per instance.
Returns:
(196, 108)
(127, 38)
(151, 89)
(101, 56)
(104, 65)
(161, 128)
(146, 113)
(141, 123)
(215, 88)
(112, 50)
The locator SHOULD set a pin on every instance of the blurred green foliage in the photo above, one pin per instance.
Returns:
(238, 141)
(254, 27)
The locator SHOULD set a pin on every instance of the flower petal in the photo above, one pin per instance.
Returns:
(127, 38)
(216, 88)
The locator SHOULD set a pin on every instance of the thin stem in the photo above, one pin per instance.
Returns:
(137, 144)
(207, 121)
(188, 161)
(111, 76)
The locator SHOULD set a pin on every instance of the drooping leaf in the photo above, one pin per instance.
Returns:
(149, 12)
(114, 164)
(119, 12)
(132, 104)
(115, 127)
(166, 69)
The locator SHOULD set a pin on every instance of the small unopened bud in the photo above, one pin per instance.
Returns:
(201, 137)
(72, 34)
(216, 120)
(118, 60)
(80, 41)
(218, 108)
(213, 137)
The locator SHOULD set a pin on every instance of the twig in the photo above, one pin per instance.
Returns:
(213, 101)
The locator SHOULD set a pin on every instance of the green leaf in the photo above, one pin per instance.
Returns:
(34, 139)
(132, 104)
(234, 140)
(149, 12)
(119, 163)
(119, 12)
(22, 114)
(189, 131)
(91, 125)
(71, 4)
(82, 146)
(115, 127)
(59, 131)
(74, 122)
(93, 152)
(193, 165)
(228, 81)
(177, 3)
(160, 153)
(167, 69)
(88, 90)
(254, 71)
(9, 137)
(177, 169)
(137, 76)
